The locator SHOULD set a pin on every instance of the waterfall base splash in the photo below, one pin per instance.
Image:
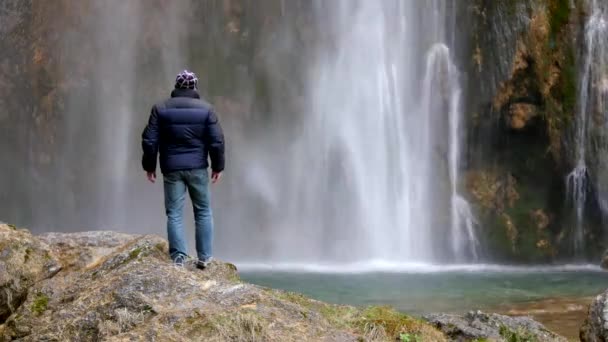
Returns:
(383, 266)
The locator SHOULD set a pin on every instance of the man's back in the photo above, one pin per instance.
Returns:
(185, 130)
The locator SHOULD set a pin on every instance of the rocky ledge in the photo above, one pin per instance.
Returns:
(106, 286)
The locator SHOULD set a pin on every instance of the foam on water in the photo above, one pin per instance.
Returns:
(413, 268)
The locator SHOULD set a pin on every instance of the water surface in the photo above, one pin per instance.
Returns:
(557, 296)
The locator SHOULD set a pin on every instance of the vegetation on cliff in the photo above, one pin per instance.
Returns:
(523, 56)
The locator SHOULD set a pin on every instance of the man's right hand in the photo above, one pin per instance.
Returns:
(151, 176)
(215, 177)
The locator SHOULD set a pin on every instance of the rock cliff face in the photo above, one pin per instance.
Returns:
(523, 77)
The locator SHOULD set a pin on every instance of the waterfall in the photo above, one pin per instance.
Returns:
(592, 99)
(375, 160)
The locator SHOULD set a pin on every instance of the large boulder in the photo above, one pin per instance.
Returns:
(595, 328)
(477, 325)
(118, 287)
(604, 262)
(24, 260)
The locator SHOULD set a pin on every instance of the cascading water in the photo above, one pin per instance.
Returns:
(375, 168)
(441, 80)
(592, 106)
(576, 189)
(464, 240)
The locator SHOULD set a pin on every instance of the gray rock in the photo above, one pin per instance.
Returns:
(604, 262)
(595, 328)
(479, 325)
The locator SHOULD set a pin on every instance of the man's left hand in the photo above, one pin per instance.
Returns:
(215, 177)
(151, 177)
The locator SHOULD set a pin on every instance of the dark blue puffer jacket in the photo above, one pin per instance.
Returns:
(185, 131)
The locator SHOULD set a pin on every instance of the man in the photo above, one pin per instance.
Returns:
(185, 131)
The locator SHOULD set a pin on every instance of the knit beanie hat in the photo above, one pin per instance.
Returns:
(186, 80)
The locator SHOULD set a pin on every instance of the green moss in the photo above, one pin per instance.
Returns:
(363, 321)
(410, 338)
(559, 15)
(40, 303)
(523, 245)
(393, 322)
(568, 84)
(234, 277)
(295, 298)
(134, 253)
(560, 107)
(495, 235)
(339, 316)
(516, 336)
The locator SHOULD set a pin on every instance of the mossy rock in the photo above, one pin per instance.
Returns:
(40, 303)
(24, 260)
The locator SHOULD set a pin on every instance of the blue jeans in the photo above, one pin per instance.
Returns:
(196, 183)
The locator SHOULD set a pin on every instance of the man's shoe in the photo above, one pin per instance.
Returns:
(202, 264)
(180, 260)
